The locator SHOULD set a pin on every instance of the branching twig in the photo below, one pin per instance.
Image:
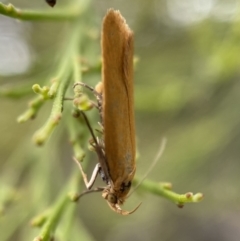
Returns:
(68, 13)
(164, 190)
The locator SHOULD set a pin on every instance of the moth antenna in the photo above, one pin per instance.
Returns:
(157, 157)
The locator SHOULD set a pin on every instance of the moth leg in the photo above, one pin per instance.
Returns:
(97, 94)
(97, 189)
(96, 170)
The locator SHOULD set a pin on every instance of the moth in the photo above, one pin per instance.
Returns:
(117, 149)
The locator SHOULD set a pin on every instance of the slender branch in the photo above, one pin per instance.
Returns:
(63, 73)
(77, 137)
(77, 73)
(56, 213)
(164, 191)
(53, 216)
(34, 106)
(40, 219)
(68, 13)
(59, 88)
(42, 135)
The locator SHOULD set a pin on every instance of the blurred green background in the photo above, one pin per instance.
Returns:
(187, 89)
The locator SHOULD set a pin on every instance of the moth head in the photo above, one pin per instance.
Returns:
(114, 202)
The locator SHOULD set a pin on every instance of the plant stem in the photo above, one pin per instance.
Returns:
(68, 13)
(164, 191)
(59, 87)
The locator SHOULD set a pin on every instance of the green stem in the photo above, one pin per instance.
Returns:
(34, 106)
(163, 190)
(59, 87)
(63, 202)
(68, 13)
(77, 73)
(43, 134)
(77, 137)
(53, 220)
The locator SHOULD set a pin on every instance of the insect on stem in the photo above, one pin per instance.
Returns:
(117, 149)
